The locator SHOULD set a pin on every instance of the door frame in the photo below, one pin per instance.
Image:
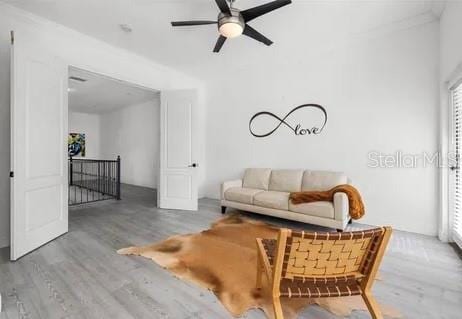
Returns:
(162, 118)
(445, 217)
(71, 66)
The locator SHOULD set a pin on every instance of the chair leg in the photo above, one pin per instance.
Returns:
(277, 308)
(259, 271)
(372, 305)
(223, 209)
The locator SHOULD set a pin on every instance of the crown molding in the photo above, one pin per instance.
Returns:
(401, 25)
(437, 8)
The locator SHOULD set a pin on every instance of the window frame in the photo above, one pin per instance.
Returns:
(455, 236)
(446, 146)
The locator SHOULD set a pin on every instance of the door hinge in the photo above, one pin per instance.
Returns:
(11, 174)
(12, 37)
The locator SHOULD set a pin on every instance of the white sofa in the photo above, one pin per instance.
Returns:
(266, 191)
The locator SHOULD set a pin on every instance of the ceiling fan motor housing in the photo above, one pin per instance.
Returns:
(234, 17)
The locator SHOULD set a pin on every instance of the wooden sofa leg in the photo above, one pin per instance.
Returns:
(223, 209)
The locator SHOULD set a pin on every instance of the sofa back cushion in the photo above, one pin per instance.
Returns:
(322, 180)
(257, 178)
(286, 180)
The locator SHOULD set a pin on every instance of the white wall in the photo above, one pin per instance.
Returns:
(133, 132)
(89, 124)
(381, 93)
(79, 51)
(450, 33)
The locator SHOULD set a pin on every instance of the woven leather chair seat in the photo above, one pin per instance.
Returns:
(270, 249)
(302, 287)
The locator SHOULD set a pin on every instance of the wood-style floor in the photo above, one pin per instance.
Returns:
(79, 275)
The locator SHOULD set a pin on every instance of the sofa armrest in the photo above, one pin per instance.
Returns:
(227, 185)
(341, 207)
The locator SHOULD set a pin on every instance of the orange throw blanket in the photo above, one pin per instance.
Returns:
(354, 198)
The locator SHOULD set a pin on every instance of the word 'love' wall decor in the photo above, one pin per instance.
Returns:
(303, 120)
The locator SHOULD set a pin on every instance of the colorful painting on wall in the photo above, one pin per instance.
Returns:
(76, 144)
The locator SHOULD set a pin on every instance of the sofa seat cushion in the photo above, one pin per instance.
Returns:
(241, 195)
(270, 199)
(318, 209)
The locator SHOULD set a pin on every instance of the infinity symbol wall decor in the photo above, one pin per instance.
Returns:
(298, 129)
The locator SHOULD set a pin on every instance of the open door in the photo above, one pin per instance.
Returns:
(39, 211)
(178, 169)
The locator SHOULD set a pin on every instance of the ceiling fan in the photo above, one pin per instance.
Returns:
(232, 22)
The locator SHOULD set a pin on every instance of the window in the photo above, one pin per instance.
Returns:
(456, 96)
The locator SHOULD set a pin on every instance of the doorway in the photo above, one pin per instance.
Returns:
(114, 137)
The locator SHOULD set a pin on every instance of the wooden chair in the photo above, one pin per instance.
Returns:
(321, 264)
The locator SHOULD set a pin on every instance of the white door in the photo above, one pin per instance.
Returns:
(178, 166)
(39, 211)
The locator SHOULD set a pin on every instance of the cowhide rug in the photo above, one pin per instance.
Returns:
(223, 259)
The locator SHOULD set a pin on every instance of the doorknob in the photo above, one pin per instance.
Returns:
(194, 165)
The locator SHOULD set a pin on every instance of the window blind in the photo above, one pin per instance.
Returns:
(457, 214)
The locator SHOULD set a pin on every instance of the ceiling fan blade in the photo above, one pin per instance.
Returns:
(254, 34)
(189, 23)
(221, 40)
(223, 6)
(256, 12)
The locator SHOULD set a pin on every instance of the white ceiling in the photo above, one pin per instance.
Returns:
(100, 94)
(298, 29)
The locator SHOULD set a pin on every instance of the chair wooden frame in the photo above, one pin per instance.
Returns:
(274, 267)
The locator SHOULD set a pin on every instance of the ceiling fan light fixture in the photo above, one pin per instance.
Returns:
(231, 25)
(231, 29)
(232, 22)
